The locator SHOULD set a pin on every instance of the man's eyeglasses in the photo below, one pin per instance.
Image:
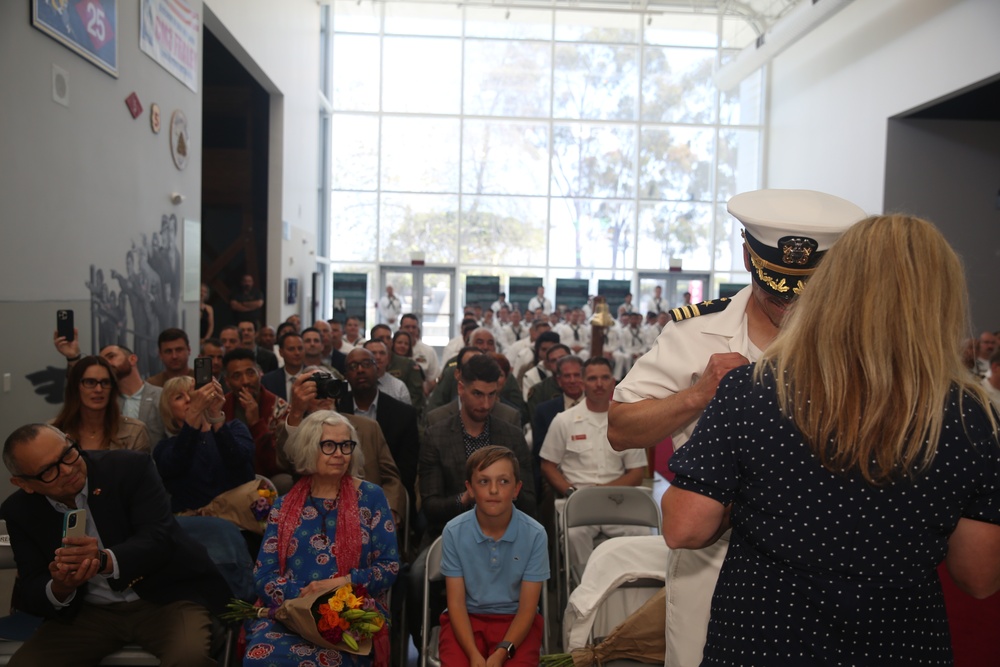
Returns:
(330, 446)
(90, 383)
(50, 473)
(355, 365)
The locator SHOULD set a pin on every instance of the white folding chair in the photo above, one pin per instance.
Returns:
(601, 505)
(429, 636)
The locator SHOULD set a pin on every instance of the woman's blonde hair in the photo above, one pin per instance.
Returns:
(868, 354)
(303, 447)
(172, 387)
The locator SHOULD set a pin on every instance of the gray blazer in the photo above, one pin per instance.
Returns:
(149, 413)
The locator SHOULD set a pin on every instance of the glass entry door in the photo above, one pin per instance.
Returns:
(674, 285)
(429, 293)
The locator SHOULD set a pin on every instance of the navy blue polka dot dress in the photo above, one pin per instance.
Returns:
(823, 568)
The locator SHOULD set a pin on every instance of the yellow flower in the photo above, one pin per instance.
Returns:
(353, 602)
(336, 605)
(343, 593)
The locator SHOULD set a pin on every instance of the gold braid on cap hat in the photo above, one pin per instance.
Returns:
(778, 286)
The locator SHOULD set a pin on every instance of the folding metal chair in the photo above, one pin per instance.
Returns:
(601, 505)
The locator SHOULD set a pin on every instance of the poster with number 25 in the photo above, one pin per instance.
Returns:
(88, 27)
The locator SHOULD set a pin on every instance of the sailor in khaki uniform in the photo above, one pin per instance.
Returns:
(786, 234)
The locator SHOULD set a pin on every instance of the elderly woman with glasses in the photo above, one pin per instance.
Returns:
(331, 529)
(91, 415)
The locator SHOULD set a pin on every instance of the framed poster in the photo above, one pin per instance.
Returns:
(88, 27)
(168, 33)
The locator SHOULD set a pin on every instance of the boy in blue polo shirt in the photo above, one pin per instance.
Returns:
(495, 562)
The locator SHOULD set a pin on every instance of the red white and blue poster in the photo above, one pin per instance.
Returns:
(168, 33)
(89, 27)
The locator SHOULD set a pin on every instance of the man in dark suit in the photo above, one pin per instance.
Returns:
(135, 577)
(569, 377)
(397, 419)
(248, 339)
(292, 351)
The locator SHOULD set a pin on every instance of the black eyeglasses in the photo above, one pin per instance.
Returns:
(90, 383)
(50, 473)
(355, 365)
(330, 446)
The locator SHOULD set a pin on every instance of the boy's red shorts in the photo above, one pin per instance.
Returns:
(488, 631)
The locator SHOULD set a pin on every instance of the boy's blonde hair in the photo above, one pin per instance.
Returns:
(482, 459)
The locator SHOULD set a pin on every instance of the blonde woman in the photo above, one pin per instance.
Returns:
(855, 457)
(202, 455)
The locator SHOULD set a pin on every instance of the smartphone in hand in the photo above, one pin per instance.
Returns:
(75, 523)
(64, 324)
(202, 371)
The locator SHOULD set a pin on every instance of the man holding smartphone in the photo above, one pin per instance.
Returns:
(135, 577)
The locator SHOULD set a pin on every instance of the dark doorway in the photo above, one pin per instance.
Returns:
(234, 178)
(943, 164)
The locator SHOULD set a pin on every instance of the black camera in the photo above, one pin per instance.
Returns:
(328, 386)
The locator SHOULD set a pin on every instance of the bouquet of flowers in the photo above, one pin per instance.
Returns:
(247, 505)
(344, 619)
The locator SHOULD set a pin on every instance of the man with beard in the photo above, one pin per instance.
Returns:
(138, 400)
(786, 235)
(259, 409)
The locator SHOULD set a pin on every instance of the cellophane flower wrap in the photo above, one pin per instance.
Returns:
(343, 619)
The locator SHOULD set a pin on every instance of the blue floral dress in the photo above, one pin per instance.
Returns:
(310, 558)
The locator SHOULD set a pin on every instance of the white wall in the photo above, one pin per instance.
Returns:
(832, 93)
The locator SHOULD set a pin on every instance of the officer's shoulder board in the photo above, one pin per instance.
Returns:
(698, 309)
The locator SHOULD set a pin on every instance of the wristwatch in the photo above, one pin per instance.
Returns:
(508, 647)
(570, 490)
(102, 556)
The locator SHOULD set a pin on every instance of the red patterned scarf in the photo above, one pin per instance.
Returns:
(347, 539)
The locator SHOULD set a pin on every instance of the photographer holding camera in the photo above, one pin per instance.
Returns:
(316, 389)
